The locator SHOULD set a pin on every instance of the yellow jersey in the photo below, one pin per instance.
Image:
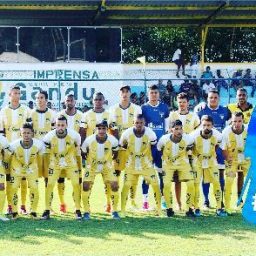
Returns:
(63, 151)
(190, 121)
(233, 107)
(174, 154)
(43, 122)
(123, 118)
(139, 156)
(234, 143)
(4, 148)
(11, 121)
(26, 160)
(91, 118)
(76, 121)
(204, 153)
(99, 155)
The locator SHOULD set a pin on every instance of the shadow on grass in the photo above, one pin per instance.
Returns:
(136, 225)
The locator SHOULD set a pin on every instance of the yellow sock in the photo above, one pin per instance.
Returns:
(217, 193)
(61, 192)
(2, 200)
(115, 199)
(76, 196)
(23, 191)
(157, 195)
(124, 196)
(48, 196)
(8, 193)
(228, 192)
(197, 195)
(190, 194)
(108, 193)
(168, 195)
(34, 198)
(86, 200)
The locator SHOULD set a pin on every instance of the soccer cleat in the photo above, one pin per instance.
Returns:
(78, 215)
(190, 213)
(63, 208)
(221, 213)
(14, 215)
(46, 215)
(3, 218)
(9, 210)
(108, 208)
(115, 216)
(86, 216)
(145, 206)
(33, 215)
(197, 213)
(23, 210)
(169, 212)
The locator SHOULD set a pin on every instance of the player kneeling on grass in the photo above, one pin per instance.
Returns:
(100, 150)
(137, 141)
(26, 162)
(233, 144)
(206, 139)
(62, 154)
(175, 161)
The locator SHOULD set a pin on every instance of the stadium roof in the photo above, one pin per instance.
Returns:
(128, 13)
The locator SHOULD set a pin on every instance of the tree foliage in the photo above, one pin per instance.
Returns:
(159, 43)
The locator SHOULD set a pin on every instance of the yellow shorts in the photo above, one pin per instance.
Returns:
(108, 174)
(2, 174)
(149, 174)
(182, 172)
(121, 160)
(209, 175)
(240, 167)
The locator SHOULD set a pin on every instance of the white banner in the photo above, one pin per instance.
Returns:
(82, 80)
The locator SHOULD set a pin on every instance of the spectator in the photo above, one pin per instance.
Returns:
(219, 82)
(31, 104)
(85, 108)
(169, 95)
(63, 105)
(237, 81)
(134, 98)
(49, 105)
(193, 99)
(185, 87)
(196, 88)
(142, 98)
(194, 64)
(207, 75)
(161, 88)
(179, 61)
(207, 87)
(247, 78)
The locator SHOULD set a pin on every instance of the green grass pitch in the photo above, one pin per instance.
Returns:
(137, 234)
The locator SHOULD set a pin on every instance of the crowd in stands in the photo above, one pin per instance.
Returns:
(198, 88)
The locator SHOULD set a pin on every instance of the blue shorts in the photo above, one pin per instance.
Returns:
(220, 158)
(157, 157)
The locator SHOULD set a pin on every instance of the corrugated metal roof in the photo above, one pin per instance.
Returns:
(125, 13)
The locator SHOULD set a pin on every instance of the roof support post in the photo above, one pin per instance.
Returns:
(204, 32)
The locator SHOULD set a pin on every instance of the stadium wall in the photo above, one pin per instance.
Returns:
(83, 79)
